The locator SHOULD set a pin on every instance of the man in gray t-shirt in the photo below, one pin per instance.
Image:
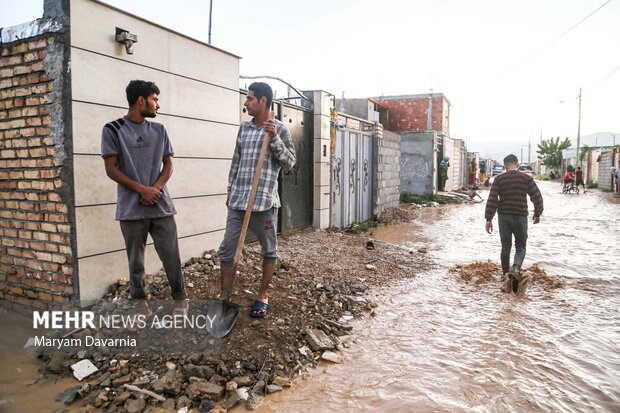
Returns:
(134, 150)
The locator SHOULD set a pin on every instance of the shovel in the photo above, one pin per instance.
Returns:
(224, 313)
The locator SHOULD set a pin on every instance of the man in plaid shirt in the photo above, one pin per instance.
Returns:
(264, 219)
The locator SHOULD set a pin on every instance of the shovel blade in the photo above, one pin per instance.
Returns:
(222, 316)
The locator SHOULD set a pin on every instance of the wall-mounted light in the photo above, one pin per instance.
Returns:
(339, 125)
(123, 36)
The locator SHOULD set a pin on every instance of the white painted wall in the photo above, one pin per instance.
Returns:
(199, 107)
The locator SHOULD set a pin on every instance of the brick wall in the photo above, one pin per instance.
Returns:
(410, 114)
(387, 173)
(36, 249)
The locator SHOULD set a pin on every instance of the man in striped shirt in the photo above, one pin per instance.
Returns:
(264, 219)
(508, 197)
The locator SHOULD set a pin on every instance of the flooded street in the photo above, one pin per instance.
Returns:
(438, 343)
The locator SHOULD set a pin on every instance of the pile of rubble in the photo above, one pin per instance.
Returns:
(323, 281)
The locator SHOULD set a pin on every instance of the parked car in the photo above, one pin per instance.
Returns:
(497, 169)
(526, 169)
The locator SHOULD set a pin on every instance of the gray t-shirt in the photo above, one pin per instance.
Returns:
(141, 148)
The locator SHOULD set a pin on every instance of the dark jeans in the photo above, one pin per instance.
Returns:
(510, 225)
(164, 234)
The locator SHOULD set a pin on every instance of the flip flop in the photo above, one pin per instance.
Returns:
(259, 309)
(182, 311)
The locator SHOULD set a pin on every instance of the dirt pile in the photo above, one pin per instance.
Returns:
(400, 214)
(320, 284)
(482, 272)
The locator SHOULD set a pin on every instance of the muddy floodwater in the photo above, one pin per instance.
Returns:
(440, 344)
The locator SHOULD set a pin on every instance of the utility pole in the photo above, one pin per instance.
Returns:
(210, 13)
(529, 151)
(579, 128)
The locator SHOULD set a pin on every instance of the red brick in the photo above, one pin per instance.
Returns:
(33, 101)
(58, 218)
(41, 236)
(38, 152)
(33, 122)
(37, 44)
(28, 206)
(34, 142)
(60, 259)
(43, 163)
(51, 247)
(35, 217)
(32, 226)
(61, 239)
(49, 228)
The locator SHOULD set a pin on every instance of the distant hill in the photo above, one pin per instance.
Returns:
(498, 150)
(600, 139)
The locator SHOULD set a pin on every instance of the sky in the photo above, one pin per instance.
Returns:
(511, 69)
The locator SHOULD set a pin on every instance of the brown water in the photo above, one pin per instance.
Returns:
(19, 370)
(439, 344)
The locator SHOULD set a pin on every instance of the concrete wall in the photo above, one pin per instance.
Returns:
(418, 164)
(591, 166)
(604, 169)
(199, 107)
(322, 154)
(457, 177)
(387, 169)
(360, 108)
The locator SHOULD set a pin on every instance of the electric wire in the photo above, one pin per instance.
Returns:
(562, 35)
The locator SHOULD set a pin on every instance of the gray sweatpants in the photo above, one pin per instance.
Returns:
(263, 224)
(164, 234)
(510, 225)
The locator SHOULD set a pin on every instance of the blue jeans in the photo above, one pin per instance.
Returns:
(510, 225)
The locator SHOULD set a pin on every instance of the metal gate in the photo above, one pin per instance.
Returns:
(296, 185)
(352, 178)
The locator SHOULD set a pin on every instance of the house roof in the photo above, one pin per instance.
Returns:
(378, 102)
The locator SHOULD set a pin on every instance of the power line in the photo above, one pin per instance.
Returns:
(562, 35)
(605, 78)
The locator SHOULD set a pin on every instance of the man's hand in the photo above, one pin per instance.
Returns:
(489, 226)
(536, 219)
(270, 127)
(149, 195)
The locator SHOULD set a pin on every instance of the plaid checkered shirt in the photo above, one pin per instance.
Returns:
(280, 153)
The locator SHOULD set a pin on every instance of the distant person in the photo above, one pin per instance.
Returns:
(569, 179)
(508, 196)
(443, 172)
(472, 173)
(483, 171)
(618, 178)
(579, 179)
(552, 175)
(138, 156)
(613, 178)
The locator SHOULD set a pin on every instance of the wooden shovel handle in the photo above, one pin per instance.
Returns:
(248, 211)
